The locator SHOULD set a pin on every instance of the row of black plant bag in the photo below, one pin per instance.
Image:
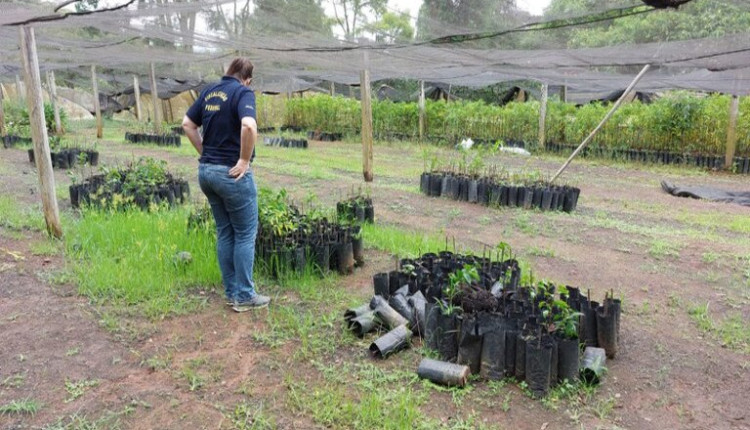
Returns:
(491, 192)
(316, 243)
(158, 139)
(493, 326)
(69, 158)
(101, 191)
(284, 142)
(741, 164)
(11, 140)
(358, 209)
(324, 136)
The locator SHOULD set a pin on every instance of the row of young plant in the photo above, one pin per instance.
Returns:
(477, 312)
(67, 155)
(467, 179)
(678, 122)
(142, 183)
(158, 139)
(11, 140)
(284, 142)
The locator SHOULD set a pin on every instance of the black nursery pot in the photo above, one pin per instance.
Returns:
(424, 183)
(568, 359)
(358, 251)
(345, 258)
(436, 183)
(538, 361)
(546, 199)
(322, 257)
(369, 213)
(512, 196)
(31, 155)
(536, 198)
(74, 195)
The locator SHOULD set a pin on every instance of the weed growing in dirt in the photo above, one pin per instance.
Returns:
(660, 249)
(25, 406)
(76, 389)
(250, 417)
(14, 381)
(733, 331)
(15, 217)
(540, 252)
(317, 333)
(47, 247)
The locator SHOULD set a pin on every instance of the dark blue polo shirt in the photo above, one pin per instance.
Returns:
(220, 109)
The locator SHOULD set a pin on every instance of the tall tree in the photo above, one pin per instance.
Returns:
(443, 17)
(352, 15)
(392, 27)
(271, 17)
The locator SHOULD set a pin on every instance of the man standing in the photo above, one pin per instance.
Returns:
(226, 110)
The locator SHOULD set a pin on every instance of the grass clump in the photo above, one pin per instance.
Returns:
(129, 257)
(19, 407)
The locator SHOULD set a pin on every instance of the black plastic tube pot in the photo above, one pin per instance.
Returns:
(588, 309)
(393, 341)
(381, 285)
(447, 335)
(358, 251)
(345, 258)
(389, 316)
(393, 281)
(443, 373)
(431, 311)
(606, 330)
(538, 360)
(492, 359)
(546, 200)
(352, 313)
(469, 344)
(510, 352)
(568, 354)
(473, 191)
(364, 323)
(399, 303)
(418, 302)
(592, 364)
(520, 357)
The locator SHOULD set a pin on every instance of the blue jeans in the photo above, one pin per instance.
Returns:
(235, 208)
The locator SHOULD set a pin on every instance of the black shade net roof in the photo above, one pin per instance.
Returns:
(187, 47)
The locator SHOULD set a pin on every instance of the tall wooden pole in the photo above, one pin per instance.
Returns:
(734, 110)
(364, 86)
(601, 124)
(2, 112)
(333, 89)
(39, 131)
(155, 99)
(19, 89)
(137, 90)
(543, 117)
(97, 108)
(564, 94)
(421, 110)
(53, 99)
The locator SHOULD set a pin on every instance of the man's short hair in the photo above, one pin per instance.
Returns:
(241, 68)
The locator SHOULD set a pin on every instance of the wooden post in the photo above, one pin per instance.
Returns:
(155, 99)
(333, 89)
(137, 90)
(97, 108)
(734, 110)
(351, 92)
(364, 86)
(53, 99)
(39, 131)
(601, 124)
(421, 110)
(19, 89)
(564, 94)
(543, 117)
(2, 112)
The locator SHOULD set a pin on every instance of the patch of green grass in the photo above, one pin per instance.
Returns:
(48, 247)
(540, 252)
(316, 333)
(250, 417)
(25, 406)
(73, 351)
(128, 258)
(13, 381)
(19, 217)
(76, 389)
(401, 242)
(733, 331)
(713, 220)
(661, 249)
(710, 257)
(524, 223)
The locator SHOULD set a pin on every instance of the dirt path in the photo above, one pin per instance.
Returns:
(660, 252)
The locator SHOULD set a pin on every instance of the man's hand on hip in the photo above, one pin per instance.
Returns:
(239, 169)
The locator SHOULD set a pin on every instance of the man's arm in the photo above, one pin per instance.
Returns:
(192, 133)
(248, 136)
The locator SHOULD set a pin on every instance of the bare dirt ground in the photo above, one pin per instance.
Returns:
(666, 256)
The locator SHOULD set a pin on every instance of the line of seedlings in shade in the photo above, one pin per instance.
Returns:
(178, 130)
(158, 139)
(324, 136)
(742, 164)
(70, 157)
(473, 312)
(11, 140)
(497, 191)
(284, 142)
(141, 184)
(357, 209)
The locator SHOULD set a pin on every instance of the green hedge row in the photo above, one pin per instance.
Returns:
(678, 121)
